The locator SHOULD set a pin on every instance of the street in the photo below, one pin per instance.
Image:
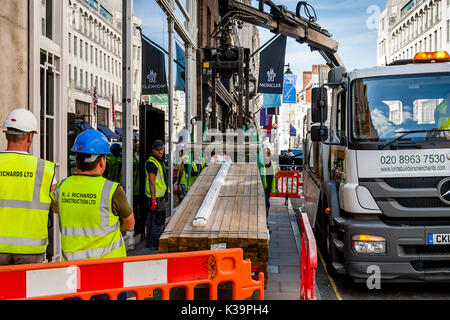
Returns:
(343, 288)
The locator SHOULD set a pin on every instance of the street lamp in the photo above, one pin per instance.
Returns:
(252, 86)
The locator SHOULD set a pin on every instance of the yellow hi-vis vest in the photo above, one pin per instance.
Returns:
(89, 229)
(25, 186)
(160, 184)
(273, 187)
(183, 178)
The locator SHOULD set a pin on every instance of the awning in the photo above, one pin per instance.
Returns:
(84, 126)
(108, 132)
(120, 132)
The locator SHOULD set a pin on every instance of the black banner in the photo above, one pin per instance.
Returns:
(271, 70)
(154, 80)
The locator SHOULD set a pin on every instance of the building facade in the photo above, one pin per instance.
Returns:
(410, 26)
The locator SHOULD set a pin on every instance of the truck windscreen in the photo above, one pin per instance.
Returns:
(385, 107)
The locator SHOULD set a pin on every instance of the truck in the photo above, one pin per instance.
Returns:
(376, 176)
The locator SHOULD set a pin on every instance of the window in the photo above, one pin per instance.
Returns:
(81, 79)
(105, 13)
(75, 45)
(81, 49)
(448, 30)
(47, 20)
(49, 79)
(102, 116)
(340, 125)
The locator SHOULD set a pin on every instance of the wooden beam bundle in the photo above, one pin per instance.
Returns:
(238, 218)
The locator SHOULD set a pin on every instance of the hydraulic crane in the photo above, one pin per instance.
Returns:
(225, 59)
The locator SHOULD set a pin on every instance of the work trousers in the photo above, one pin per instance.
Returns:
(155, 222)
(7, 259)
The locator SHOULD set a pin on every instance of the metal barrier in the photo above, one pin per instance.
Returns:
(140, 274)
(308, 262)
(288, 184)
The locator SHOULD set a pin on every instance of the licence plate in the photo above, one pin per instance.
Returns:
(438, 238)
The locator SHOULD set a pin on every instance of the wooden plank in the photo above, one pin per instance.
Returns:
(233, 240)
(183, 241)
(244, 224)
(226, 221)
(217, 222)
(184, 215)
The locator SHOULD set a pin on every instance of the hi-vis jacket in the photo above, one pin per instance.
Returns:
(25, 183)
(160, 184)
(89, 229)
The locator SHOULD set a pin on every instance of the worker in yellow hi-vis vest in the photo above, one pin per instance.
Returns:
(93, 210)
(26, 182)
(157, 189)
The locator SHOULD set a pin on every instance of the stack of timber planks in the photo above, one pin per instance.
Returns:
(238, 219)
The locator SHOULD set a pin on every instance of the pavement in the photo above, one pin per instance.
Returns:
(284, 252)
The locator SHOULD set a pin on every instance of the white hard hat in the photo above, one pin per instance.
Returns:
(21, 119)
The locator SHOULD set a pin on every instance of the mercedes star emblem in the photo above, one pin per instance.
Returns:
(444, 191)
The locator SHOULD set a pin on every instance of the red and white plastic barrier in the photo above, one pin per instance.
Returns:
(84, 278)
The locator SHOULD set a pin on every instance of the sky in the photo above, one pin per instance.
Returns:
(353, 23)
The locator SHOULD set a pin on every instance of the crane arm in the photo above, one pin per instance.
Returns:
(281, 21)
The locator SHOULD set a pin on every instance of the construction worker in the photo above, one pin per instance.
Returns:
(92, 210)
(194, 173)
(157, 191)
(113, 169)
(269, 177)
(136, 195)
(214, 158)
(182, 175)
(25, 193)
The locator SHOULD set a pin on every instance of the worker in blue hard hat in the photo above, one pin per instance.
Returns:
(93, 210)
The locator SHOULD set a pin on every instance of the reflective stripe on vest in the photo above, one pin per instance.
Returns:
(103, 241)
(24, 203)
(160, 184)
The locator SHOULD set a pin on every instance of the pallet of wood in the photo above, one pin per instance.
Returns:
(238, 218)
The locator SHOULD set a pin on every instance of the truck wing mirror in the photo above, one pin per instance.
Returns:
(319, 105)
(319, 133)
(335, 76)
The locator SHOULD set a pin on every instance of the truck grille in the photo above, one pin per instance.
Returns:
(403, 183)
(421, 203)
(408, 197)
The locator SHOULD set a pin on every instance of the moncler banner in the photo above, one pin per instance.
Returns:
(154, 79)
(271, 70)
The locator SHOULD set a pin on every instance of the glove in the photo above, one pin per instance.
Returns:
(154, 205)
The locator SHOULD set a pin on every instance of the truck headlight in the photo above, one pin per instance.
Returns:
(369, 244)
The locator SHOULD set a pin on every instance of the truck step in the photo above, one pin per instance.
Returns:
(339, 245)
(338, 267)
(339, 221)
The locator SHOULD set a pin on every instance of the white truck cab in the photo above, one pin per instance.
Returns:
(377, 170)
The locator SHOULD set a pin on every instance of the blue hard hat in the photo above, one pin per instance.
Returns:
(116, 149)
(91, 142)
